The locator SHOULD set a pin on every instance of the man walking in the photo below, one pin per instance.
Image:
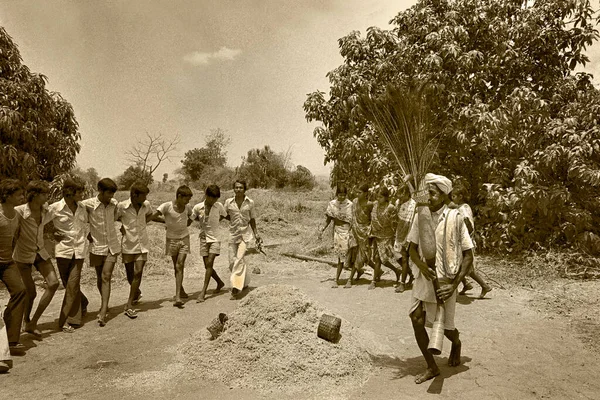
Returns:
(453, 259)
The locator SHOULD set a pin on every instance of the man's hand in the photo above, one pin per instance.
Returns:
(427, 272)
(445, 291)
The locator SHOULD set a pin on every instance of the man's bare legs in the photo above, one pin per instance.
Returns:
(103, 281)
(209, 273)
(417, 318)
(138, 269)
(178, 263)
(47, 270)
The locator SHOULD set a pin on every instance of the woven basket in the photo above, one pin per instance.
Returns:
(216, 325)
(329, 328)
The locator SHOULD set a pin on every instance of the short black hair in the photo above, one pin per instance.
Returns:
(240, 181)
(213, 191)
(36, 187)
(184, 191)
(364, 187)
(72, 185)
(384, 191)
(341, 189)
(107, 185)
(8, 187)
(139, 187)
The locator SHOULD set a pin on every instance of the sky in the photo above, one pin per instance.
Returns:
(137, 67)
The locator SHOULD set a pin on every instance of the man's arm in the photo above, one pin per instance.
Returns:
(253, 226)
(156, 216)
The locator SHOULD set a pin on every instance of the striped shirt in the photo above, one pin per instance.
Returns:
(30, 235)
(102, 226)
(239, 223)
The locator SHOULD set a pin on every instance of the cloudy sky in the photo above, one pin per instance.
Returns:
(185, 67)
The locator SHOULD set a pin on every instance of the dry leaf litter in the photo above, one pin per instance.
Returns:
(270, 344)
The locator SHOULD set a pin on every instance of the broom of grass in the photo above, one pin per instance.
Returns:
(403, 120)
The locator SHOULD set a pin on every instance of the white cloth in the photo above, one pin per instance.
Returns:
(440, 181)
(239, 223)
(135, 240)
(175, 222)
(72, 227)
(209, 224)
(4, 346)
(102, 226)
(422, 288)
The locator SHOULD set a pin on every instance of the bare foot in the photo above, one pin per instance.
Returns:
(454, 358)
(400, 288)
(334, 285)
(348, 285)
(427, 375)
(372, 286)
(485, 290)
(200, 298)
(219, 287)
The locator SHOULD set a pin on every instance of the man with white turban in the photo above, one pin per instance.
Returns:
(453, 260)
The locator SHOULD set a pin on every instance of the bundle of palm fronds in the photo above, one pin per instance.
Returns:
(403, 120)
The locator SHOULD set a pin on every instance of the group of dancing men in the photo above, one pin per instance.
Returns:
(79, 224)
(380, 233)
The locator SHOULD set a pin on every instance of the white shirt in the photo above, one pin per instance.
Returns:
(102, 226)
(239, 223)
(135, 240)
(73, 228)
(209, 225)
(176, 223)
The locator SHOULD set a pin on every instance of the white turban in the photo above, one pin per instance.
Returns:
(443, 183)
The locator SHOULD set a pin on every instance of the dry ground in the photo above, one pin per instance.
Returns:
(532, 339)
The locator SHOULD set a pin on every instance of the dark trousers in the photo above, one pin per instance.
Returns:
(13, 315)
(74, 302)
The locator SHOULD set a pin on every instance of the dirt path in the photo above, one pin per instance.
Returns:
(510, 350)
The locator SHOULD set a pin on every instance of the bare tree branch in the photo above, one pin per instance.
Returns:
(149, 153)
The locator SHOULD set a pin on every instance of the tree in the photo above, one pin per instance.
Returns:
(213, 154)
(149, 153)
(89, 176)
(39, 136)
(132, 174)
(264, 168)
(516, 124)
(302, 178)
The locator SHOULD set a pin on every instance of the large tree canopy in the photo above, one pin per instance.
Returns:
(38, 131)
(516, 125)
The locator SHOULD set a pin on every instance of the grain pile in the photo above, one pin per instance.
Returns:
(270, 344)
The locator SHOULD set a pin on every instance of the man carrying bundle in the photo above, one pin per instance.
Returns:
(453, 260)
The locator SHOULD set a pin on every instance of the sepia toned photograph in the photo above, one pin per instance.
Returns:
(297, 200)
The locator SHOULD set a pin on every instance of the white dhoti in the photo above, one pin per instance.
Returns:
(4, 347)
(237, 265)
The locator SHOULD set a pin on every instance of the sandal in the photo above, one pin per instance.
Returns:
(131, 313)
(68, 329)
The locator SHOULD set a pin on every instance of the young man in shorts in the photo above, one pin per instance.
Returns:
(177, 217)
(209, 213)
(30, 251)
(134, 213)
(104, 244)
